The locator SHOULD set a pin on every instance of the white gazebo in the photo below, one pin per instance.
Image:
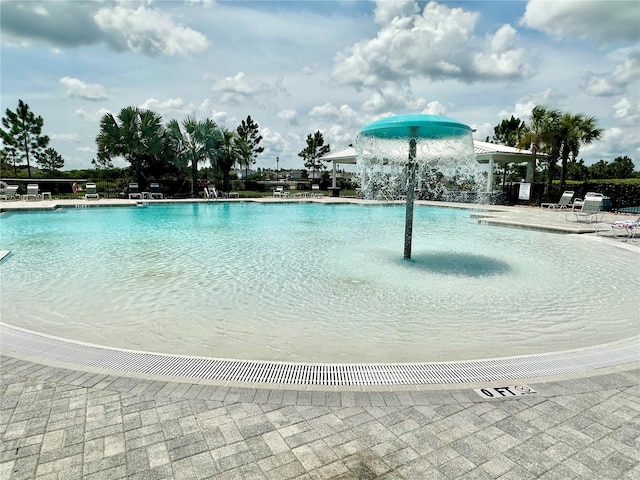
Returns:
(491, 153)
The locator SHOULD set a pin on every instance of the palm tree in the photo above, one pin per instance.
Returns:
(195, 142)
(231, 150)
(575, 130)
(135, 134)
(539, 136)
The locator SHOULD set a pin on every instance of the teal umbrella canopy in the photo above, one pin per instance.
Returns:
(414, 126)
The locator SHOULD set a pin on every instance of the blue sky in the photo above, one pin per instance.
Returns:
(297, 67)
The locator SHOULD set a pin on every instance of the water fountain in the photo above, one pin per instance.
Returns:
(402, 155)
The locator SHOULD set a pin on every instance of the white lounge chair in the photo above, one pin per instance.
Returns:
(134, 191)
(590, 211)
(33, 191)
(154, 191)
(315, 190)
(280, 192)
(210, 193)
(10, 192)
(578, 202)
(628, 228)
(564, 202)
(91, 192)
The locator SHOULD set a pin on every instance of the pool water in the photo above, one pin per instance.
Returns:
(313, 283)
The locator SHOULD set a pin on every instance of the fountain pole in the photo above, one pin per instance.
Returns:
(411, 187)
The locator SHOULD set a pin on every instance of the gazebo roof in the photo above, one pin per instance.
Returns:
(483, 151)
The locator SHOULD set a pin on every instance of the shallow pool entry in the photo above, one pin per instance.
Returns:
(310, 283)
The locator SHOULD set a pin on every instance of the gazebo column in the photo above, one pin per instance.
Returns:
(530, 170)
(333, 181)
(490, 176)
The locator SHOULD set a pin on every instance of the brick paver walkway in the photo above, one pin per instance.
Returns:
(60, 423)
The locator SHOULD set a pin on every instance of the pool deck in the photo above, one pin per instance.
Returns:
(61, 420)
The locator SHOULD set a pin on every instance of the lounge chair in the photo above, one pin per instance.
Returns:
(154, 191)
(134, 191)
(589, 211)
(9, 193)
(91, 192)
(578, 202)
(564, 202)
(628, 228)
(33, 191)
(280, 192)
(315, 190)
(210, 193)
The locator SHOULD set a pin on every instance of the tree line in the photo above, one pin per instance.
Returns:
(555, 137)
(152, 149)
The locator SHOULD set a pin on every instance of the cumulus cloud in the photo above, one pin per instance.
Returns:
(80, 89)
(288, 115)
(65, 137)
(627, 111)
(616, 142)
(171, 105)
(393, 98)
(502, 58)
(601, 21)
(437, 44)
(71, 24)
(330, 113)
(523, 107)
(435, 108)
(91, 116)
(618, 81)
(149, 31)
(63, 24)
(238, 89)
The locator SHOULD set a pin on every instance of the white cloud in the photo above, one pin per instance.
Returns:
(435, 108)
(502, 58)
(86, 149)
(393, 98)
(91, 116)
(523, 107)
(234, 89)
(615, 142)
(602, 21)
(627, 111)
(238, 90)
(149, 31)
(171, 105)
(437, 44)
(88, 91)
(288, 115)
(65, 137)
(623, 76)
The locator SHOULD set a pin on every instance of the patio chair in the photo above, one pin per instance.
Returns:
(589, 211)
(33, 191)
(315, 190)
(628, 228)
(210, 193)
(134, 191)
(91, 192)
(280, 192)
(9, 193)
(154, 191)
(564, 202)
(578, 202)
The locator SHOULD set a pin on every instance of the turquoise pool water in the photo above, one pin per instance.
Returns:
(308, 282)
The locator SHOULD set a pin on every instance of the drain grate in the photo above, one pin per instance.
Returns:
(23, 341)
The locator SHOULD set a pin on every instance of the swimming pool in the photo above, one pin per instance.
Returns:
(308, 282)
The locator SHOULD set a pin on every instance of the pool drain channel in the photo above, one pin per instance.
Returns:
(47, 347)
